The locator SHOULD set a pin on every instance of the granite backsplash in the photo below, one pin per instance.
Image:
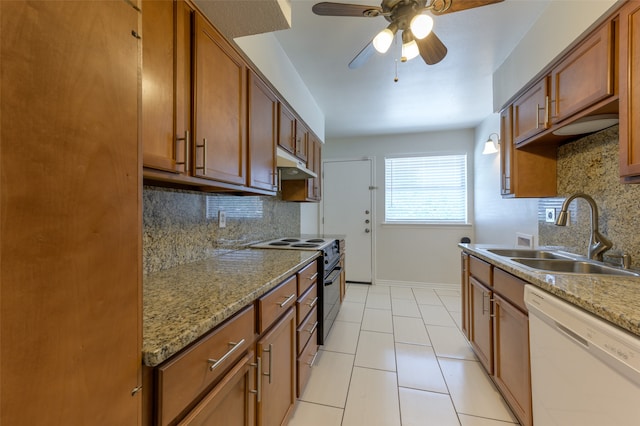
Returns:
(590, 165)
(182, 226)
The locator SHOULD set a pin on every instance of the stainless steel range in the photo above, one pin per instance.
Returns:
(328, 285)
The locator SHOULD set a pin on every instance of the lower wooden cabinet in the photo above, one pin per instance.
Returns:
(231, 402)
(481, 333)
(498, 331)
(276, 352)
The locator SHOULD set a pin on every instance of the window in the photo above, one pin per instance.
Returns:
(427, 189)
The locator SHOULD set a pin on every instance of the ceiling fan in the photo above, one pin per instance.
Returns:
(408, 16)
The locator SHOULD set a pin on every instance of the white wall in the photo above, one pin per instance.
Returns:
(410, 253)
(558, 26)
(496, 219)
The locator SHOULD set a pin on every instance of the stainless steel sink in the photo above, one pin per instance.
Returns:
(573, 266)
(524, 253)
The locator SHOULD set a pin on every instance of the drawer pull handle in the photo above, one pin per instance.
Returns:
(217, 362)
(184, 163)
(313, 302)
(289, 299)
(270, 350)
(315, 325)
(258, 391)
(313, 277)
(313, 360)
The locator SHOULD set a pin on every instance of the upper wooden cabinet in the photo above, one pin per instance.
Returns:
(585, 76)
(219, 91)
(630, 92)
(70, 248)
(263, 125)
(579, 83)
(158, 51)
(286, 128)
(530, 115)
(526, 172)
(309, 189)
(302, 141)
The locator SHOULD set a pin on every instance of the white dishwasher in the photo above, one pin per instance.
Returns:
(584, 371)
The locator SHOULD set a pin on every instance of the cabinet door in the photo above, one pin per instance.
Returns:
(220, 107)
(286, 129)
(263, 110)
(480, 321)
(315, 164)
(302, 141)
(531, 112)
(585, 77)
(231, 402)
(277, 354)
(511, 356)
(158, 140)
(464, 280)
(529, 171)
(70, 252)
(630, 92)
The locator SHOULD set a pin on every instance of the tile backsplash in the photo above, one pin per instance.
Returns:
(590, 165)
(182, 226)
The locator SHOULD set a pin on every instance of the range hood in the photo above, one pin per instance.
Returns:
(290, 167)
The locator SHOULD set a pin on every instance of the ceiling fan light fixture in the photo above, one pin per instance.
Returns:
(383, 40)
(409, 50)
(421, 25)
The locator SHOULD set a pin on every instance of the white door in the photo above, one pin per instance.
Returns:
(348, 210)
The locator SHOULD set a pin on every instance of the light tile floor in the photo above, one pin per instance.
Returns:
(396, 357)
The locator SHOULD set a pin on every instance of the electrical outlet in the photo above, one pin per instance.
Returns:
(550, 215)
(222, 218)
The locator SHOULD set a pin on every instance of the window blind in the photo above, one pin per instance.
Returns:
(426, 189)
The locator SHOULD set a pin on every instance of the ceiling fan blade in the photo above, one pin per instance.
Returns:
(343, 9)
(458, 5)
(432, 49)
(363, 56)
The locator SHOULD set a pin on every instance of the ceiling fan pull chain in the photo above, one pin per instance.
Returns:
(395, 80)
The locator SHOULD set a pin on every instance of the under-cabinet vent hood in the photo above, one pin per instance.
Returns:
(292, 168)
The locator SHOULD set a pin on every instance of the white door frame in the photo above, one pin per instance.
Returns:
(374, 221)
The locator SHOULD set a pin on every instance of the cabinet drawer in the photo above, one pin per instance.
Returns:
(480, 269)
(231, 397)
(187, 375)
(306, 329)
(307, 276)
(276, 303)
(509, 287)
(305, 362)
(306, 303)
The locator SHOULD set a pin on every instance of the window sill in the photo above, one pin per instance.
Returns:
(428, 224)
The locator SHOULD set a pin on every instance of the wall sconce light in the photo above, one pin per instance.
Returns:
(491, 147)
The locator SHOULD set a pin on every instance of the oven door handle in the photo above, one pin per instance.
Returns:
(333, 276)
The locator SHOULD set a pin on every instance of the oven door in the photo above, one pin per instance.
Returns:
(331, 299)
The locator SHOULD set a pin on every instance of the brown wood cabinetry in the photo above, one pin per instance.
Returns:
(70, 254)
(531, 112)
(286, 128)
(158, 134)
(579, 83)
(231, 402)
(499, 331)
(464, 293)
(219, 91)
(276, 351)
(302, 141)
(186, 376)
(263, 126)
(481, 333)
(307, 323)
(308, 189)
(629, 49)
(529, 171)
(585, 77)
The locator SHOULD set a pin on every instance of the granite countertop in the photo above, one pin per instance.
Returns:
(183, 303)
(610, 297)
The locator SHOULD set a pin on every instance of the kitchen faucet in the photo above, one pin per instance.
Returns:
(598, 243)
